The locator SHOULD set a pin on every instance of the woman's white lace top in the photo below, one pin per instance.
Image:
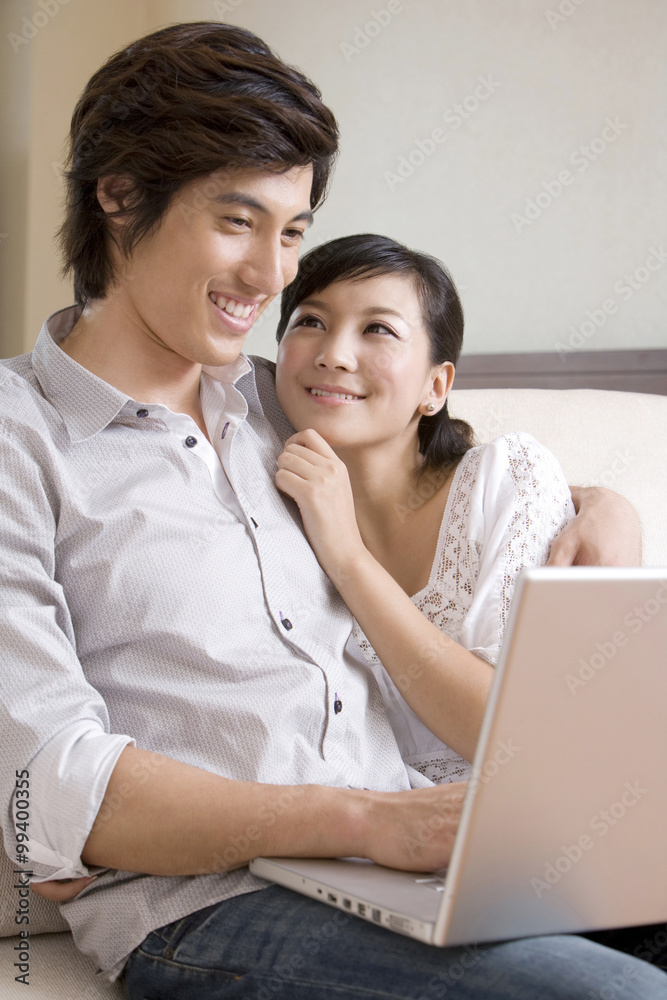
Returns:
(507, 502)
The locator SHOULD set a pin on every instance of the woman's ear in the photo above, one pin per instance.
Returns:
(113, 192)
(442, 378)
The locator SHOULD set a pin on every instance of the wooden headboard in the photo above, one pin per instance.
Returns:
(630, 371)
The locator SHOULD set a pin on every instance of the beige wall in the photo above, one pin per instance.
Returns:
(553, 81)
(42, 77)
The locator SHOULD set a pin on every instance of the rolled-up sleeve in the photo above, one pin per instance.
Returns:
(55, 724)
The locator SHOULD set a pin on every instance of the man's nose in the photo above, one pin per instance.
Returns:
(264, 269)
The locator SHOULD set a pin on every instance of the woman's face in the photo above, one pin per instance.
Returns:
(354, 363)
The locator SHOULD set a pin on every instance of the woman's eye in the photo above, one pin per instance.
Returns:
(236, 222)
(380, 328)
(309, 320)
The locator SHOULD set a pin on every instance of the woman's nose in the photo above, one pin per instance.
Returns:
(336, 351)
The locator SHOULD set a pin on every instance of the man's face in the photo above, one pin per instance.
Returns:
(227, 245)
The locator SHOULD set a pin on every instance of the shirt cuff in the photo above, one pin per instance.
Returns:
(68, 779)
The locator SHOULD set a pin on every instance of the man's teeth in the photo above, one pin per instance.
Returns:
(334, 395)
(231, 306)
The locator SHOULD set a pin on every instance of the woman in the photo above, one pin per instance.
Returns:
(423, 534)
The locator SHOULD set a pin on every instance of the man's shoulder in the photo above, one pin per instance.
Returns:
(21, 398)
(17, 369)
(265, 382)
(263, 365)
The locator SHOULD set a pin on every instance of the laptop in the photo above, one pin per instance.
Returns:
(565, 818)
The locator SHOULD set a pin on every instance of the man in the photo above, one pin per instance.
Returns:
(191, 703)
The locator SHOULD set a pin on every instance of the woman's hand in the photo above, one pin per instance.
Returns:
(311, 473)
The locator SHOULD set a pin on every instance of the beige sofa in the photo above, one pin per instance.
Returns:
(612, 439)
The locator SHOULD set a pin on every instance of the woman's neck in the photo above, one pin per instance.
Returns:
(389, 489)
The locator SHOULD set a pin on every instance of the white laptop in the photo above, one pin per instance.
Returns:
(564, 826)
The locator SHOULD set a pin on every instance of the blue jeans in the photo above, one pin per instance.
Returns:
(274, 944)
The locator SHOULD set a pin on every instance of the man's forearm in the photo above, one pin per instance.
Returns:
(163, 817)
(606, 531)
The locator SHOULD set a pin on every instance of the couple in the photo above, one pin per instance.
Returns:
(179, 678)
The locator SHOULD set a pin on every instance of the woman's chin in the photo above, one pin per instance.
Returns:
(333, 436)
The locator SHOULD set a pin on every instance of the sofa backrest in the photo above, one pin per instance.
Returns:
(614, 439)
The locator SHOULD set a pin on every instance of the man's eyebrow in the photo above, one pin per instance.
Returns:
(238, 198)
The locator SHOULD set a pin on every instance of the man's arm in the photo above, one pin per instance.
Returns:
(162, 817)
(605, 532)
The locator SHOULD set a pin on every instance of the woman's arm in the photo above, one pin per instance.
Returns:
(442, 682)
(605, 532)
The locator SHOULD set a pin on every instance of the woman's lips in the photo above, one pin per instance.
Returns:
(332, 395)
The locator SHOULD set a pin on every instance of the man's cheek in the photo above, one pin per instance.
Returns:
(263, 306)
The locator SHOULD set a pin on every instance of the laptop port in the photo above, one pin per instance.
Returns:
(332, 898)
(347, 903)
(376, 915)
(361, 909)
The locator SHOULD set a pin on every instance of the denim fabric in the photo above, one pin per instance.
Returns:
(278, 945)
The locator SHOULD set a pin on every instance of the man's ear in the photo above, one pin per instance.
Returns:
(113, 192)
(442, 379)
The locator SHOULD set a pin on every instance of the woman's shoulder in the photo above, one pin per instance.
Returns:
(516, 456)
(511, 472)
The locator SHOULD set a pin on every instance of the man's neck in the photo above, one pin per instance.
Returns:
(116, 346)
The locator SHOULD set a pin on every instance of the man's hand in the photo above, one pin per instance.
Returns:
(414, 830)
(61, 891)
(605, 532)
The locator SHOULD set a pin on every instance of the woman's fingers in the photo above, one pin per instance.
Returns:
(304, 462)
(313, 441)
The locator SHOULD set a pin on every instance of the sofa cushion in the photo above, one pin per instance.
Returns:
(57, 972)
(44, 915)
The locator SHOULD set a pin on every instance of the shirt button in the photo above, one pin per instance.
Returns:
(142, 413)
(338, 705)
(190, 441)
(286, 623)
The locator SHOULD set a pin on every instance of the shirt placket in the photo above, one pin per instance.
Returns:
(250, 486)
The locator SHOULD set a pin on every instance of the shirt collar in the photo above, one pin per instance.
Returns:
(86, 403)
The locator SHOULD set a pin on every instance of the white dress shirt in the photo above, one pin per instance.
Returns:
(158, 589)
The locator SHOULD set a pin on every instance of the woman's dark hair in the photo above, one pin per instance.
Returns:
(173, 107)
(442, 440)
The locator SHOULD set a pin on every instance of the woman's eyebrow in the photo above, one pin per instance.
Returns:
(238, 198)
(315, 303)
(370, 311)
(387, 310)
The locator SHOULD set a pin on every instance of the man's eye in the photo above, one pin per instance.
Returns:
(295, 235)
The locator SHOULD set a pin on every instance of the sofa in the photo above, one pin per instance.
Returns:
(614, 439)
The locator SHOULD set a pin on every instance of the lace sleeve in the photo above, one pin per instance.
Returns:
(525, 502)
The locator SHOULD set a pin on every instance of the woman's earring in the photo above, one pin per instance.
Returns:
(430, 408)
